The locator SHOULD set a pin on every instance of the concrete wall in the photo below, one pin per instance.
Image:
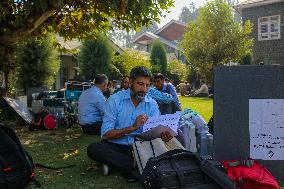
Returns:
(267, 50)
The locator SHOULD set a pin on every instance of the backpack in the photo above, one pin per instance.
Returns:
(43, 120)
(16, 165)
(250, 174)
(176, 169)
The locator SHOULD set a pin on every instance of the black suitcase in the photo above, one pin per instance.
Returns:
(176, 169)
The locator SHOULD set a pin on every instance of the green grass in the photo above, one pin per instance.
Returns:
(66, 147)
(204, 106)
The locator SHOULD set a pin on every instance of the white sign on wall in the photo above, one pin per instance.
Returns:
(266, 127)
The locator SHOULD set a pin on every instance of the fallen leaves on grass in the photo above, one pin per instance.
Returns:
(27, 142)
(72, 136)
(70, 154)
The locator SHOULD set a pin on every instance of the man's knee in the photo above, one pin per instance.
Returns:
(94, 150)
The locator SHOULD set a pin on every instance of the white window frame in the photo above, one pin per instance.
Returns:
(269, 33)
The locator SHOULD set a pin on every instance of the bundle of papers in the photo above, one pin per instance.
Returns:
(156, 125)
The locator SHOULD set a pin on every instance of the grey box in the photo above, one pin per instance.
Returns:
(233, 87)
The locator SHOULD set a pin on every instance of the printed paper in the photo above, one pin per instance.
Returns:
(266, 127)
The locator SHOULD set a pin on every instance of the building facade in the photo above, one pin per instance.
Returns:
(170, 35)
(267, 17)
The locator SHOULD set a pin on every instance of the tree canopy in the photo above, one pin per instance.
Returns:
(38, 62)
(158, 57)
(70, 19)
(74, 18)
(215, 38)
(188, 14)
(178, 68)
(130, 59)
(95, 57)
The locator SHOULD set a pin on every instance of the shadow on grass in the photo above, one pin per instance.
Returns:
(63, 147)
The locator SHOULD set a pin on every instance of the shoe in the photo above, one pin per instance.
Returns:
(129, 177)
(105, 169)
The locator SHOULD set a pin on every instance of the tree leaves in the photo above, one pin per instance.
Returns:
(75, 19)
(158, 57)
(130, 59)
(95, 57)
(215, 38)
(38, 62)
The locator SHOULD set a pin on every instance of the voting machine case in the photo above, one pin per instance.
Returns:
(233, 87)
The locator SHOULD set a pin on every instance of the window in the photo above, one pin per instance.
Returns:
(269, 28)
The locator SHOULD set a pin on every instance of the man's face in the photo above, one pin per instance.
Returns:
(159, 83)
(104, 86)
(125, 83)
(139, 87)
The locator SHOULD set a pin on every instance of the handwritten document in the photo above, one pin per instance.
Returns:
(168, 120)
(266, 127)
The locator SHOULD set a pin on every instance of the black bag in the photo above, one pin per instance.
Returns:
(176, 169)
(16, 165)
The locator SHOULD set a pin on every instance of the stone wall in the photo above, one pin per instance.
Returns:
(271, 51)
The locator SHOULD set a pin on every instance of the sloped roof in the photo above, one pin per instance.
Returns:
(69, 44)
(168, 24)
(253, 3)
(148, 37)
(75, 44)
(154, 37)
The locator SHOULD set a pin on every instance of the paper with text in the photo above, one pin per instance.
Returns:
(168, 120)
(266, 128)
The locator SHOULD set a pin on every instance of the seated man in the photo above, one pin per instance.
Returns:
(159, 83)
(124, 84)
(188, 88)
(91, 106)
(182, 88)
(126, 112)
(202, 91)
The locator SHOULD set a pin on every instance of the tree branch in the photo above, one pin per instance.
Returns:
(33, 23)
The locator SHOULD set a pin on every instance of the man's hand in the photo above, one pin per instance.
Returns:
(140, 120)
(166, 136)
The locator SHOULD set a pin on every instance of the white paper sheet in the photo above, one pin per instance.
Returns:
(168, 120)
(266, 127)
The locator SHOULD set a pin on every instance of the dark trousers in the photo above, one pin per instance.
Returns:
(116, 156)
(92, 129)
(201, 95)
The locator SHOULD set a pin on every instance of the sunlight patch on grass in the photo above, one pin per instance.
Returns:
(202, 105)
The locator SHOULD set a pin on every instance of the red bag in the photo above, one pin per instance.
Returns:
(43, 120)
(49, 122)
(250, 174)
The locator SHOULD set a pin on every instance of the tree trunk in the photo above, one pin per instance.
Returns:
(5, 89)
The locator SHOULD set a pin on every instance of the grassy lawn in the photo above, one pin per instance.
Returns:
(204, 106)
(66, 147)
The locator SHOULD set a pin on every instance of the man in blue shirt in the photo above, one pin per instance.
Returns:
(159, 83)
(124, 83)
(126, 112)
(91, 106)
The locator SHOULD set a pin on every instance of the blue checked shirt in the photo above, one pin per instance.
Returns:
(121, 113)
(91, 106)
(170, 89)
